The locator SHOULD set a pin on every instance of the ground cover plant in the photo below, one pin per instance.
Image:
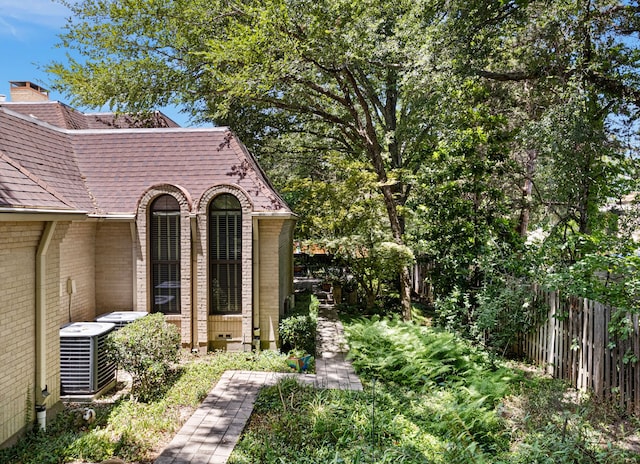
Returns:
(431, 398)
(132, 430)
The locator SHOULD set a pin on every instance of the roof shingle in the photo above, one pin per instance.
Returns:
(106, 171)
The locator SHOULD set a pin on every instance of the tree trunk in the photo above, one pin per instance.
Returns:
(523, 221)
(396, 229)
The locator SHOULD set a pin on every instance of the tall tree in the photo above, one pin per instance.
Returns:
(337, 69)
(375, 82)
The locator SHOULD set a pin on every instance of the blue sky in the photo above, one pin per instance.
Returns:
(28, 35)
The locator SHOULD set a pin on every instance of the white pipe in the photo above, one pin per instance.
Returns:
(41, 415)
(256, 282)
(134, 265)
(41, 316)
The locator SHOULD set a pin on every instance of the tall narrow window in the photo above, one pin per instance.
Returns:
(165, 254)
(225, 255)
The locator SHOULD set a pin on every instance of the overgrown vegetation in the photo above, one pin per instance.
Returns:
(298, 329)
(147, 349)
(131, 430)
(430, 398)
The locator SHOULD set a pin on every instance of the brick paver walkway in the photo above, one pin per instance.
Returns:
(209, 436)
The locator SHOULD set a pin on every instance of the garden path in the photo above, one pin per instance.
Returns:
(211, 433)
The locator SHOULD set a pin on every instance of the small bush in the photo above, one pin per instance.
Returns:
(147, 349)
(299, 333)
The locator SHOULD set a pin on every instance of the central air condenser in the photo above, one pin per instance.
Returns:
(121, 318)
(84, 365)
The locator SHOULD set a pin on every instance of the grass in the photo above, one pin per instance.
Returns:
(133, 431)
(428, 398)
(431, 398)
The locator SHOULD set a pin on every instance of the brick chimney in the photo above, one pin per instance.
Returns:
(25, 91)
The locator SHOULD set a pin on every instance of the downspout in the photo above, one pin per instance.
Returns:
(134, 265)
(194, 284)
(256, 284)
(42, 391)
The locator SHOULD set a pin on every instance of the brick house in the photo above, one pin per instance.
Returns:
(102, 213)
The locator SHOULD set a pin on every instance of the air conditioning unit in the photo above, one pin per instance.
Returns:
(84, 366)
(121, 318)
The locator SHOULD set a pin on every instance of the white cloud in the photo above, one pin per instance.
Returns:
(17, 14)
(6, 29)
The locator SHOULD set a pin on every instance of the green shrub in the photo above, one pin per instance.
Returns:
(147, 349)
(299, 333)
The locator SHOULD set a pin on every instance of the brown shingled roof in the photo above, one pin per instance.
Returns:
(121, 165)
(106, 171)
(63, 116)
(46, 153)
(21, 189)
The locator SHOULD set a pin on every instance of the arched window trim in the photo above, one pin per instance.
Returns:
(225, 254)
(165, 254)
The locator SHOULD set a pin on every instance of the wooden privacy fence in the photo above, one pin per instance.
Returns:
(574, 343)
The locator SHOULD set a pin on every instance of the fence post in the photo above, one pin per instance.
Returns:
(551, 340)
(598, 350)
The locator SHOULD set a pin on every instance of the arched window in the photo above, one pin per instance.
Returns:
(225, 255)
(165, 255)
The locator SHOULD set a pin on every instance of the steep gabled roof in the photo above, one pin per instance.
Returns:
(119, 165)
(45, 152)
(105, 171)
(21, 189)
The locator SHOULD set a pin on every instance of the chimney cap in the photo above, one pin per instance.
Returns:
(27, 91)
(28, 84)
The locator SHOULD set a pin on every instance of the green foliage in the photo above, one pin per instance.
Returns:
(298, 333)
(147, 349)
(606, 269)
(455, 407)
(448, 129)
(554, 424)
(134, 431)
(421, 357)
(298, 329)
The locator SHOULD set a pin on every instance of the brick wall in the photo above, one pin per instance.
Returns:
(113, 268)
(143, 275)
(270, 297)
(18, 246)
(77, 262)
(209, 327)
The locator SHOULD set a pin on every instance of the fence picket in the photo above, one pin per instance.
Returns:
(574, 343)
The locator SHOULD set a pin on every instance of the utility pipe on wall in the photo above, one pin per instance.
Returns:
(41, 321)
(134, 264)
(256, 284)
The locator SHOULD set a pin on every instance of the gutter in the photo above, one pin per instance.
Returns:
(275, 214)
(36, 214)
(256, 284)
(42, 390)
(134, 265)
(113, 217)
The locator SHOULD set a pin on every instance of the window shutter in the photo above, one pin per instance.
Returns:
(165, 255)
(225, 255)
